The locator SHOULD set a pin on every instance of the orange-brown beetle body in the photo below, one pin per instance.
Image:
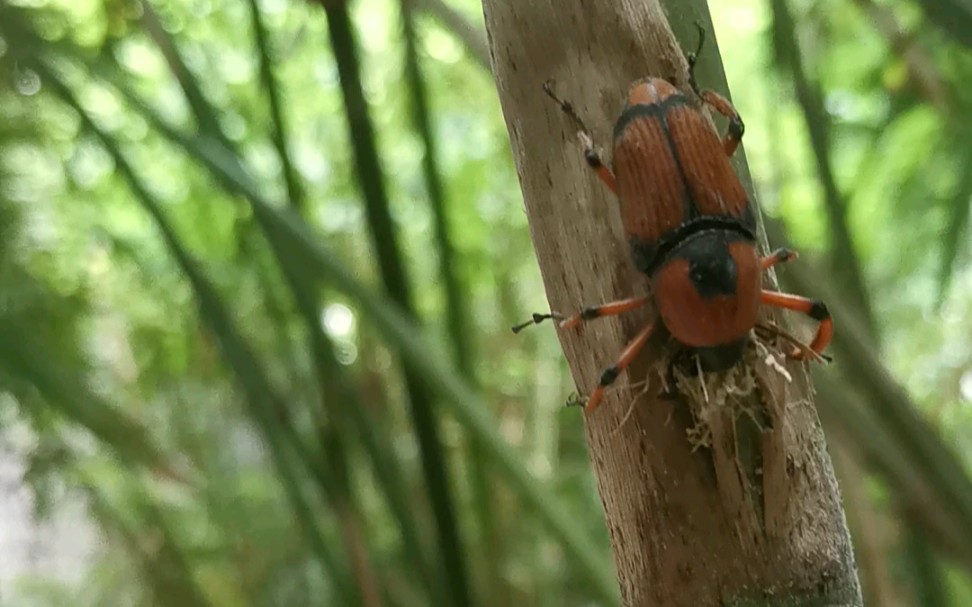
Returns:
(688, 221)
(691, 229)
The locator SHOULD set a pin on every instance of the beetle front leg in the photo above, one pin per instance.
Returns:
(609, 375)
(813, 308)
(716, 101)
(736, 127)
(612, 308)
(590, 152)
(594, 161)
(608, 309)
(781, 255)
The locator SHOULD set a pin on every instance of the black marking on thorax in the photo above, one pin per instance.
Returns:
(648, 257)
(712, 269)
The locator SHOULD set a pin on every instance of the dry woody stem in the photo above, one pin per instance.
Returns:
(724, 495)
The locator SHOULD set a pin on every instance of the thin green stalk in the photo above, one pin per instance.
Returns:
(207, 121)
(329, 468)
(394, 277)
(388, 472)
(295, 193)
(330, 431)
(332, 426)
(267, 409)
(306, 301)
(458, 319)
(335, 388)
(927, 575)
(251, 253)
(332, 385)
(844, 260)
(205, 115)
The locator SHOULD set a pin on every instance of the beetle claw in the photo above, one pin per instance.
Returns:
(576, 400)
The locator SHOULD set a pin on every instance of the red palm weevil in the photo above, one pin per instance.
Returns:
(690, 228)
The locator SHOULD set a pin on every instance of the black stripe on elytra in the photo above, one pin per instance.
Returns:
(689, 212)
(648, 258)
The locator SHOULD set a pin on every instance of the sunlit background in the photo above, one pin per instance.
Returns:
(168, 393)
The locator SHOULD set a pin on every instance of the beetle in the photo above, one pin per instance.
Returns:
(690, 228)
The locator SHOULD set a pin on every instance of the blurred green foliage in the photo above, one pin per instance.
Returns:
(235, 416)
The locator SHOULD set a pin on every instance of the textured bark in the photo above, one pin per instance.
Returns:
(715, 499)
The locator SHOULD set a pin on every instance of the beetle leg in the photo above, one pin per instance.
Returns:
(693, 58)
(594, 161)
(813, 308)
(769, 331)
(612, 308)
(736, 127)
(716, 101)
(611, 373)
(590, 152)
(777, 256)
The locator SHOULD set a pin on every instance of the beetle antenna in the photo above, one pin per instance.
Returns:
(565, 106)
(536, 320)
(694, 57)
